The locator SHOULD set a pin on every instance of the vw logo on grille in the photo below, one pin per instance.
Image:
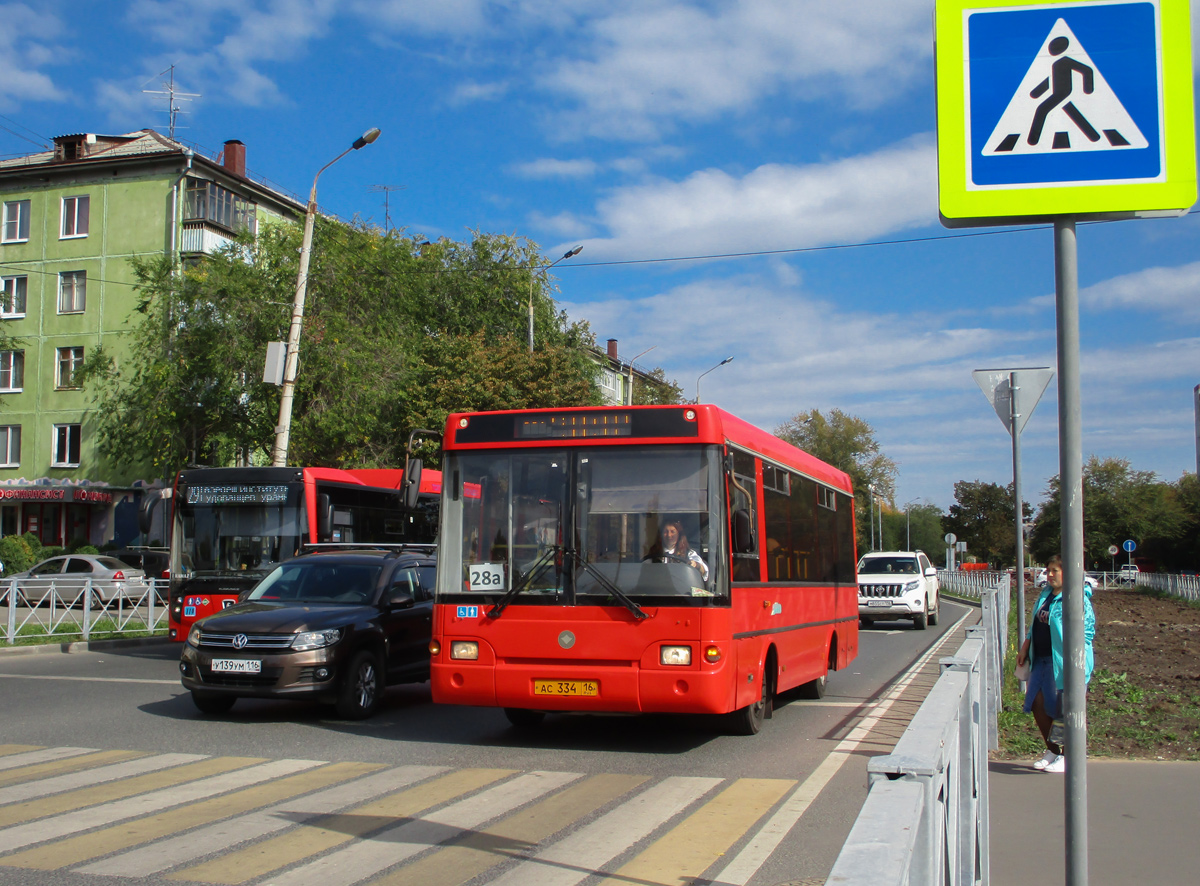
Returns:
(240, 641)
(566, 639)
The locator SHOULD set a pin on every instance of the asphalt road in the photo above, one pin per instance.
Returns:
(427, 793)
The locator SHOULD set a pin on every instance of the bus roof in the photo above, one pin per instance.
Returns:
(623, 425)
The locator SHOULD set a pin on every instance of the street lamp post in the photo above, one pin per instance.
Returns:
(871, 519)
(907, 527)
(706, 372)
(565, 255)
(647, 351)
(283, 429)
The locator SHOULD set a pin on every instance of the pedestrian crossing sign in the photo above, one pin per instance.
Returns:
(1064, 108)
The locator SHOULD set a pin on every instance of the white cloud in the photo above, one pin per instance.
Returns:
(27, 44)
(774, 206)
(550, 167)
(1169, 290)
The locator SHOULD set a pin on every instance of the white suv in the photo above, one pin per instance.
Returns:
(897, 584)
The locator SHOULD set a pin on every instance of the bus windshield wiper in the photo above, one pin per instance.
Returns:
(609, 586)
(538, 565)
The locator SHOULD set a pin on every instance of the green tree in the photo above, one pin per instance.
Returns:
(386, 315)
(1118, 503)
(984, 516)
(657, 390)
(848, 443)
(918, 530)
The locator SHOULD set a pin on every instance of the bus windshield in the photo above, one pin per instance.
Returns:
(594, 526)
(222, 538)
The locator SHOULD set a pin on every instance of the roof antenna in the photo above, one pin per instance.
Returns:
(173, 109)
(387, 189)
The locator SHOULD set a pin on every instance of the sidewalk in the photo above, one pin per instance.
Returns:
(1142, 824)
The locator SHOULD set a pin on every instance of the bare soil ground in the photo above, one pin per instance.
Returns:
(1144, 698)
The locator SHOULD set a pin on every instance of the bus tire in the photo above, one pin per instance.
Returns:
(361, 689)
(212, 704)
(749, 720)
(815, 689)
(523, 718)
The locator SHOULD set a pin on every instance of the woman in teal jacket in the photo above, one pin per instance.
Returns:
(1043, 649)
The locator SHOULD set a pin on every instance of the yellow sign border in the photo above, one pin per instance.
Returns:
(961, 207)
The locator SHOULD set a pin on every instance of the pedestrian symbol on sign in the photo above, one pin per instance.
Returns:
(1063, 104)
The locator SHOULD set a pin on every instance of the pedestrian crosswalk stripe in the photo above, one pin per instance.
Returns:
(75, 850)
(221, 836)
(404, 840)
(234, 773)
(582, 853)
(14, 755)
(1062, 104)
(696, 843)
(124, 767)
(515, 836)
(331, 831)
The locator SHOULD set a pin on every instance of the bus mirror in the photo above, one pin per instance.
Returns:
(412, 483)
(145, 515)
(324, 517)
(743, 532)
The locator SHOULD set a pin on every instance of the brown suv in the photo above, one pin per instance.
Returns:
(335, 626)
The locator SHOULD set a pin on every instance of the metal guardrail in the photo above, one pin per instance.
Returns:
(41, 609)
(1186, 587)
(926, 817)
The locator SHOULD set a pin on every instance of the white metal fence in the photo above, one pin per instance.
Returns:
(926, 816)
(1186, 587)
(43, 609)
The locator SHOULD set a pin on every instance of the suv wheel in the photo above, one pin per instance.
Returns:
(361, 689)
(937, 611)
(919, 621)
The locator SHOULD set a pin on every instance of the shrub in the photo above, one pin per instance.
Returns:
(15, 554)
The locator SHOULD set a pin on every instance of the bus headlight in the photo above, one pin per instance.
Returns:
(464, 650)
(675, 655)
(306, 640)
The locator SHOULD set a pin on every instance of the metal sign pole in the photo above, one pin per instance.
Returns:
(1016, 449)
(1070, 461)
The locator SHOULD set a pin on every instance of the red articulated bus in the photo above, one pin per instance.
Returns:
(638, 559)
(231, 526)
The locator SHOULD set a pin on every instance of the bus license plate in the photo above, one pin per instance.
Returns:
(879, 603)
(566, 687)
(237, 665)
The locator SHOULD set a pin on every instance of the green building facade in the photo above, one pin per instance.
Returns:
(71, 220)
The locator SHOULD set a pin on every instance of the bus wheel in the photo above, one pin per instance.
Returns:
(749, 720)
(361, 689)
(522, 718)
(212, 704)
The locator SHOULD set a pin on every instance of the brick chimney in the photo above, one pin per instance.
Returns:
(612, 349)
(235, 157)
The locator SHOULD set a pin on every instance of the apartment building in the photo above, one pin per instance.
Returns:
(71, 219)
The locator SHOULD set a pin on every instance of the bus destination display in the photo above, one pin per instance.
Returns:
(238, 494)
(575, 424)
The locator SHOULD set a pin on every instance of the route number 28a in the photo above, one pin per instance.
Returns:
(486, 576)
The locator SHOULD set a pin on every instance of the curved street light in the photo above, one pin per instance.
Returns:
(565, 255)
(642, 354)
(283, 429)
(706, 372)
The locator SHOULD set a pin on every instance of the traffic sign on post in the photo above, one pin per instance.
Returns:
(1064, 108)
(1004, 386)
(1129, 545)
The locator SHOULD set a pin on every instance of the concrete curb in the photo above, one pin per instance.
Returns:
(78, 646)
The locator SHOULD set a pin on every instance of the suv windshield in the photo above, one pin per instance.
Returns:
(610, 525)
(888, 566)
(319, 581)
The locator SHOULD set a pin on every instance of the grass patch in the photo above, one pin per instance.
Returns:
(101, 629)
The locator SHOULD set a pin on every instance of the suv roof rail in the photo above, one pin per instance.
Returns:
(398, 547)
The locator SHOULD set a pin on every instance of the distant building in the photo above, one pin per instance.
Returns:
(72, 218)
(618, 379)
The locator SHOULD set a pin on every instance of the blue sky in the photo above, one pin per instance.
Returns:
(789, 134)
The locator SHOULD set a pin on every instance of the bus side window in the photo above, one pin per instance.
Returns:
(743, 497)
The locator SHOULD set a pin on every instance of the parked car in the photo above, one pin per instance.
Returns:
(898, 585)
(64, 579)
(1128, 573)
(334, 626)
(153, 562)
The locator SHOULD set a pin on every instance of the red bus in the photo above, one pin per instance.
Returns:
(231, 526)
(639, 559)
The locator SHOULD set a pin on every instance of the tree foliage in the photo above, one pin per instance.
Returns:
(918, 530)
(1120, 503)
(656, 390)
(984, 516)
(848, 443)
(397, 332)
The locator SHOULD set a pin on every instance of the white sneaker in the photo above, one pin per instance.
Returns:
(1047, 758)
(1058, 764)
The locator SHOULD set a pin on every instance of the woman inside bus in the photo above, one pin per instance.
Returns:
(672, 546)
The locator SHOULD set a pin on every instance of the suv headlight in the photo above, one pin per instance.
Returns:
(306, 640)
(194, 636)
(911, 586)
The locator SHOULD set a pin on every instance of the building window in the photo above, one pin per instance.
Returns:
(69, 362)
(12, 371)
(12, 302)
(75, 216)
(16, 221)
(208, 201)
(10, 446)
(66, 446)
(72, 292)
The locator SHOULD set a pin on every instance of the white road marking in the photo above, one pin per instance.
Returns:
(73, 780)
(90, 679)
(45, 755)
